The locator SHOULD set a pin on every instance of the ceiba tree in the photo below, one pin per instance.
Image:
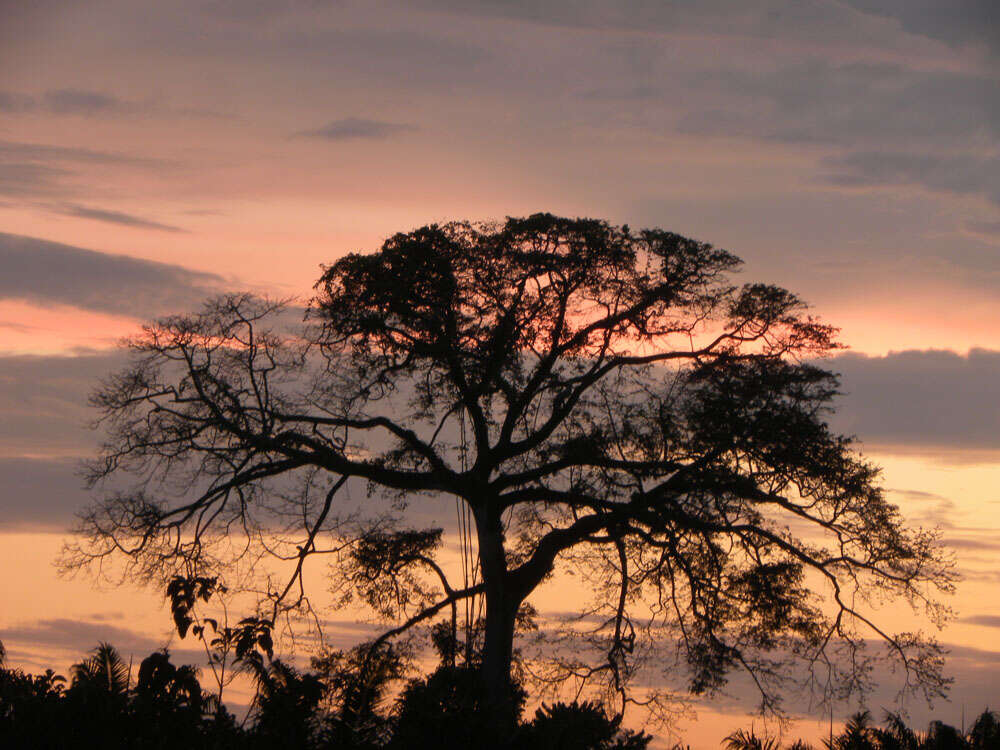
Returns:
(625, 407)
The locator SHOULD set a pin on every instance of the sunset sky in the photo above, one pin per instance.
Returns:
(152, 154)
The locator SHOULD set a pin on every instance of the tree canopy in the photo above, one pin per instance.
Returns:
(591, 396)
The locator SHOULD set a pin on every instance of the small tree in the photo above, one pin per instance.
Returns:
(591, 396)
(357, 685)
(985, 732)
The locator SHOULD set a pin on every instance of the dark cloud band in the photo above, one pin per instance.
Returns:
(48, 273)
(921, 398)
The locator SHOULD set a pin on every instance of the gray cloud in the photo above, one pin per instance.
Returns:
(921, 496)
(988, 545)
(84, 102)
(42, 152)
(81, 102)
(19, 327)
(921, 398)
(987, 621)
(819, 102)
(114, 217)
(765, 18)
(928, 508)
(354, 128)
(52, 642)
(46, 272)
(407, 58)
(901, 126)
(955, 22)
(988, 228)
(313, 39)
(13, 102)
(29, 180)
(107, 616)
(34, 172)
(41, 493)
(64, 102)
(43, 399)
(204, 212)
(924, 399)
(962, 174)
(37, 170)
(80, 636)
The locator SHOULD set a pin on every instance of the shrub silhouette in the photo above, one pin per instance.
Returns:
(579, 726)
(446, 709)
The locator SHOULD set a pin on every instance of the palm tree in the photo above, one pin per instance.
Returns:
(104, 671)
(98, 698)
(286, 703)
(896, 735)
(858, 734)
(744, 740)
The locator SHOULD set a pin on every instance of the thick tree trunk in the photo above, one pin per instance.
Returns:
(502, 602)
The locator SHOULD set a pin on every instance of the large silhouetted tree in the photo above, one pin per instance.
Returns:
(590, 394)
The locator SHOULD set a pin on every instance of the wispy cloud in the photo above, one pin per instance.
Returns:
(89, 103)
(114, 217)
(31, 180)
(962, 174)
(34, 170)
(66, 101)
(356, 128)
(19, 327)
(82, 102)
(988, 544)
(43, 152)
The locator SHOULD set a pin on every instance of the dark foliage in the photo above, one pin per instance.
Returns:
(345, 704)
(165, 708)
(569, 726)
(449, 707)
(357, 686)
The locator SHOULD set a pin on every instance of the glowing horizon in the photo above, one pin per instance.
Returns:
(152, 155)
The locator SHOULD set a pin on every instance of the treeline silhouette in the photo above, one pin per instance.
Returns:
(861, 733)
(344, 702)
